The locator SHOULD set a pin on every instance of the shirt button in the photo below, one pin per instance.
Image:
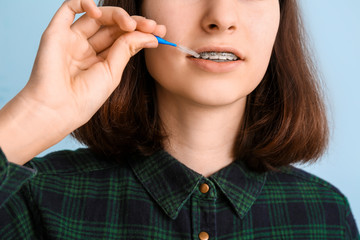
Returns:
(204, 188)
(203, 236)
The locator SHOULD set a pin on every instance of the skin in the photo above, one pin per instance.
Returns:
(77, 67)
(79, 64)
(209, 104)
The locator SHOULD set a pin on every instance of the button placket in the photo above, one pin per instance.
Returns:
(206, 208)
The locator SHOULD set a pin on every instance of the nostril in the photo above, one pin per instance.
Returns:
(213, 26)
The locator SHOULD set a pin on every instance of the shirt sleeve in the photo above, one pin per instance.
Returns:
(352, 232)
(12, 178)
(18, 217)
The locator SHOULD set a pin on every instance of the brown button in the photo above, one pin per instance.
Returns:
(204, 188)
(203, 236)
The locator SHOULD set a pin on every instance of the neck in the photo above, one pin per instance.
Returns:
(201, 137)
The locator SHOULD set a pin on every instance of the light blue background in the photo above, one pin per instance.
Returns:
(334, 29)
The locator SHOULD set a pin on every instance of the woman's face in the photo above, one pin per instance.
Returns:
(244, 28)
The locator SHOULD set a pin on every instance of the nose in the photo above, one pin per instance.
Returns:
(220, 16)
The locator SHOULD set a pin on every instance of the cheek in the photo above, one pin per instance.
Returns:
(181, 17)
(158, 62)
(262, 42)
(162, 67)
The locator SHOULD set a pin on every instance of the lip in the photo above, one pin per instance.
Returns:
(217, 67)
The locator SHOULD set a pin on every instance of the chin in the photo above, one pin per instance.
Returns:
(217, 99)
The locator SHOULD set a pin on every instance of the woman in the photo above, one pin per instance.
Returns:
(179, 148)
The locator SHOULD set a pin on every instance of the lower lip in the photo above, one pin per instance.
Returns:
(215, 67)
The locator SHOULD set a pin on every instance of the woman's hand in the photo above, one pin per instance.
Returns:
(77, 67)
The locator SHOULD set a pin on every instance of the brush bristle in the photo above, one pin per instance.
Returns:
(188, 51)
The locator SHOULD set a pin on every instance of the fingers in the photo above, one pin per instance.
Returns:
(106, 36)
(149, 26)
(126, 46)
(106, 74)
(88, 26)
(101, 31)
(66, 13)
(144, 25)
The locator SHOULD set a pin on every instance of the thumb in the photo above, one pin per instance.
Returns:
(125, 47)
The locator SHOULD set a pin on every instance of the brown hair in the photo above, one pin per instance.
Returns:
(284, 121)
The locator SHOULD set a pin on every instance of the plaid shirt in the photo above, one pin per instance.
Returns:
(79, 195)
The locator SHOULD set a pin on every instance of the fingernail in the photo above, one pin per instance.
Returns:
(152, 21)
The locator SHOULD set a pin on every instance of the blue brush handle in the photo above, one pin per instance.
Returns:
(163, 41)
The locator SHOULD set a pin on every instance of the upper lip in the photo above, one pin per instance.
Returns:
(235, 51)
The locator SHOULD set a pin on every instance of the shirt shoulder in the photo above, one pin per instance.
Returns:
(294, 183)
(301, 180)
(310, 200)
(72, 162)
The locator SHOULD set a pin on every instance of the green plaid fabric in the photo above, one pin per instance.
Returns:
(80, 195)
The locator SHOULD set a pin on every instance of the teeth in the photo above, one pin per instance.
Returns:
(218, 56)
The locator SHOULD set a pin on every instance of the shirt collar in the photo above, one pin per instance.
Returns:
(171, 183)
